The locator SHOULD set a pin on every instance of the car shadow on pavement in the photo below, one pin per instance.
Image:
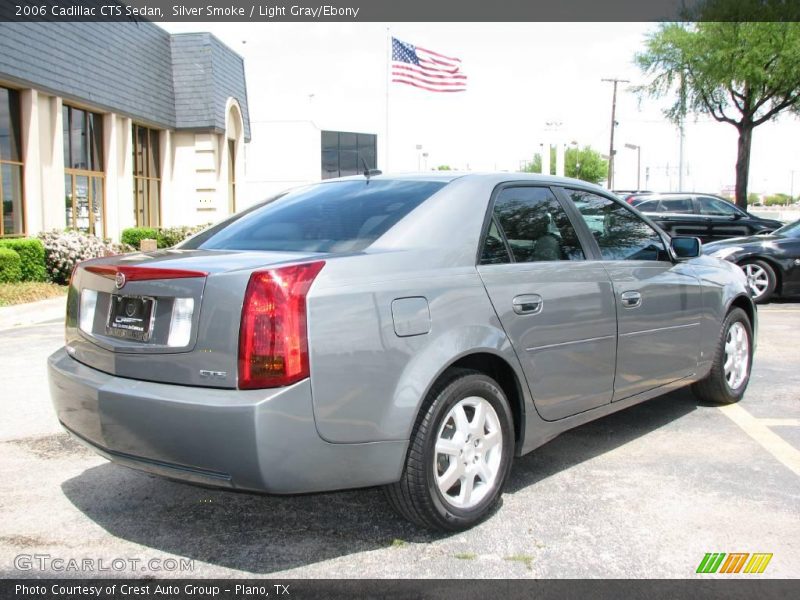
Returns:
(598, 437)
(264, 534)
(243, 531)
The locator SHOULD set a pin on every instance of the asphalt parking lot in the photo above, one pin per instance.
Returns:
(643, 493)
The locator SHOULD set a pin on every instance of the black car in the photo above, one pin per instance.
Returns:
(771, 262)
(700, 215)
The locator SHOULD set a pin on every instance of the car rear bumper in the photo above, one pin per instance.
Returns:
(257, 440)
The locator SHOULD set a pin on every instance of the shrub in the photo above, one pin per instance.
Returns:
(170, 236)
(166, 237)
(65, 249)
(31, 255)
(134, 235)
(10, 266)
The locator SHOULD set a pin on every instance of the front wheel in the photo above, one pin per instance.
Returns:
(459, 455)
(761, 280)
(733, 359)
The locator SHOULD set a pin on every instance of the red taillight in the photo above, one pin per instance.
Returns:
(273, 340)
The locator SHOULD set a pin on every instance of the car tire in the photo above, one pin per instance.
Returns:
(761, 280)
(459, 454)
(727, 381)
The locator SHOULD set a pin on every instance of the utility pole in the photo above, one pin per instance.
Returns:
(682, 132)
(613, 126)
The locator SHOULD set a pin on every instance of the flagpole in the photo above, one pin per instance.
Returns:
(386, 114)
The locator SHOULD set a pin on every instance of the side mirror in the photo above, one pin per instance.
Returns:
(737, 216)
(685, 247)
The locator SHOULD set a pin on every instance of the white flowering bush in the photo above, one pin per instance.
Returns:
(65, 249)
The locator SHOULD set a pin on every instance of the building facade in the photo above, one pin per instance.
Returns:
(105, 126)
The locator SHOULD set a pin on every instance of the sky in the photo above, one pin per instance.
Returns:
(521, 76)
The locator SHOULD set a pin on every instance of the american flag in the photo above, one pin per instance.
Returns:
(426, 69)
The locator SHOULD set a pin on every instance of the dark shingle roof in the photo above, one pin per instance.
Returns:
(136, 69)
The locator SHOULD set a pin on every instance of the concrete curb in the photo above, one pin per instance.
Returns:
(33, 312)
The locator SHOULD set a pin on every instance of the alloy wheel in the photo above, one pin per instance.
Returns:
(468, 452)
(737, 355)
(757, 280)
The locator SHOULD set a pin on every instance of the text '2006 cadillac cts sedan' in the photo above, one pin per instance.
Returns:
(415, 332)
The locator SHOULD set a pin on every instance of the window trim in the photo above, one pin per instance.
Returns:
(21, 165)
(489, 216)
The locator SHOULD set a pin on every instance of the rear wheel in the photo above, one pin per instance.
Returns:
(730, 371)
(761, 280)
(459, 455)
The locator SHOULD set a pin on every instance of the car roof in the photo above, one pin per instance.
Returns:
(498, 177)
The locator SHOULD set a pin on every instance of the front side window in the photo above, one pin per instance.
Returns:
(84, 179)
(146, 177)
(11, 211)
(715, 206)
(621, 234)
(340, 216)
(535, 225)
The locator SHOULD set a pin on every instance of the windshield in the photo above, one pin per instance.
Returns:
(341, 216)
(790, 230)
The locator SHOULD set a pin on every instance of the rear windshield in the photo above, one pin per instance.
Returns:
(342, 216)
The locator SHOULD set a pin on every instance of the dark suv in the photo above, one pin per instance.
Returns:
(701, 215)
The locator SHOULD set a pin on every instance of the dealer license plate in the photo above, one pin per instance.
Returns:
(131, 317)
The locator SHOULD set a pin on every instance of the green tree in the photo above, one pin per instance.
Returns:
(741, 73)
(443, 168)
(778, 200)
(580, 163)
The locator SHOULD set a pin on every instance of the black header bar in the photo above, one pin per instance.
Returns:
(266, 11)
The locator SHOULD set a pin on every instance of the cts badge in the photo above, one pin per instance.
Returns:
(119, 280)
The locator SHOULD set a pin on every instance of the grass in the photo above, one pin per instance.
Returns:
(398, 543)
(522, 558)
(29, 291)
(466, 556)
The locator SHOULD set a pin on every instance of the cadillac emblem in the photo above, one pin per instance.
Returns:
(119, 280)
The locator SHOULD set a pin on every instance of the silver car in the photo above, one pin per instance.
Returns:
(415, 332)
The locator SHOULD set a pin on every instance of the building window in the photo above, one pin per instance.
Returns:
(84, 180)
(11, 210)
(146, 177)
(345, 153)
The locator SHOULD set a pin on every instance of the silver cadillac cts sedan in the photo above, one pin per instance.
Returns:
(414, 332)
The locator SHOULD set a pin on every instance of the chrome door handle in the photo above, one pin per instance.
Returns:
(631, 299)
(527, 304)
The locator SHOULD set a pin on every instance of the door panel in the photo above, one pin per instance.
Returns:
(659, 339)
(568, 346)
(556, 307)
(658, 302)
(725, 220)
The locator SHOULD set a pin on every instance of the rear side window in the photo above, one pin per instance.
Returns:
(342, 216)
(677, 205)
(535, 226)
(649, 206)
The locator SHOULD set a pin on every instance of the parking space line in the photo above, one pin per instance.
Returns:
(760, 432)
